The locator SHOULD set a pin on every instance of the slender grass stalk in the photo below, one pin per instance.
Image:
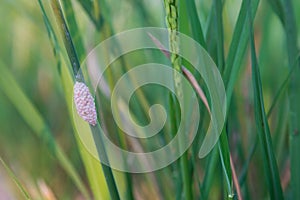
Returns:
(196, 27)
(279, 93)
(120, 136)
(124, 65)
(93, 168)
(283, 87)
(210, 174)
(223, 144)
(237, 48)
(235, 180)
(74, 30)
(262, 125)
(96, 16)
(215, 39)
(245, 168)
(97, 135)
(79, 77)
(225, 161)
(171, 7)
(215, 35)
(68, 42)
(16, 180)
(220, 34)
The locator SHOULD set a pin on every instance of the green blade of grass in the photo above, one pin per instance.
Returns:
(278, 9)
(128, 189)
(24, 106)
(262, 125)
(293, 96)
(220, 34)
(68, 42)
(232, 66)
(237, 48)
(225, 161)
(285, 12)
(173, 22)
(74, 30)
(196, 27)
(102, 153)
(214, 36)
(183, 20)
(74, 61)
(93, 168)
(95, 16)
(209, 175)
(223, 144)
(283, 87)
(15, 179)
(215, 46)
(235, 180)
(214, 39)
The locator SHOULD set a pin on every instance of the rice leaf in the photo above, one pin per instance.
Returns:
(278, 9)
(92, 166)
(271, 168)
(74, 30)
(215, 34)
(225, 161)
(68, 43)
(197, 31)
(92, 9)
(237, 48)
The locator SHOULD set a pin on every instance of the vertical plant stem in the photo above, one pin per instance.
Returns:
(112, 187)
(79, 77)
(235, 180)
(73, 28)
(271, 168)
(196, 27)
(237, 48)
(15, 179)
(225, 161)
(120, 136)
(220, 34)
(171, 7)
(67, 39)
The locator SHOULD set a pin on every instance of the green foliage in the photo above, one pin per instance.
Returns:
(255, 45)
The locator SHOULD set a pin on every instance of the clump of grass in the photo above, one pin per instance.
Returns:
(252, 159)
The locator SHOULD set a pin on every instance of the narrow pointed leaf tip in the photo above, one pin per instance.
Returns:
(84, 103)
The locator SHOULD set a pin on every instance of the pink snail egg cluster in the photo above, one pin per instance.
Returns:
(84, 103)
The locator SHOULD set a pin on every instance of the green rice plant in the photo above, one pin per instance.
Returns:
(263, 129)
(255, 46)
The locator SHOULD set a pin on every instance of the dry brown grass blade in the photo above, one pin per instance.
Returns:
(235, 180)
(185, 71)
